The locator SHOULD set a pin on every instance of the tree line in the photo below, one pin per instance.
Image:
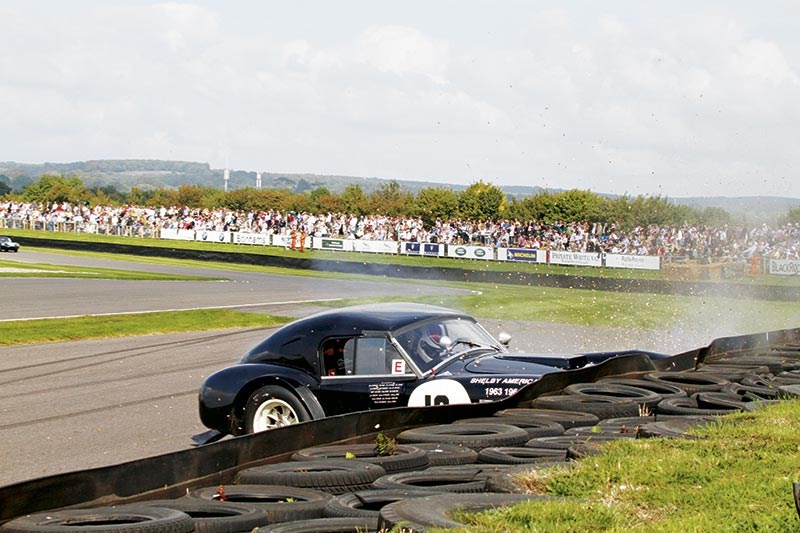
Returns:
(479, 201)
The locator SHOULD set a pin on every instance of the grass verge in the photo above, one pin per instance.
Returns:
(665, 313)
(17, 269)
(16, 332)
(736, 476)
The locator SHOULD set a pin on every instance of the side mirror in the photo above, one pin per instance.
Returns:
(445, 341)
(504, 338)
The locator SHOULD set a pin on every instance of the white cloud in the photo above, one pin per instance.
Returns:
(403, 51)
(676, 97)
(183, 25)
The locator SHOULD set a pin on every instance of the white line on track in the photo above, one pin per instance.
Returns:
(236, 306)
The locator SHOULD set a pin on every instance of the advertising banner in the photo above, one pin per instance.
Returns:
(642, 262)
(336, 245)
(433, 249)
(575, 258)
(378, 247)
(422, 248)
(528, 255)
(784, 267)
(177, 234)
(212, 236)
(410, 248)
(470, 252)
(261, 239)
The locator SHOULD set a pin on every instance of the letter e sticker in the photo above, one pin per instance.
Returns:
(398, 366)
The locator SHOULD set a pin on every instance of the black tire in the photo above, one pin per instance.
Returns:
(564, 442)
(456, 480)
(326, 525)
(601, 407)
(786, 378)
(665, 390)
(280, 503)
(677, 427)
(123, 518)
(690, 382)
(752, 392)
(518, 455)
(733, 373)
(725, 400)
(447, 454)
(638, 395)
(507, 481)
(216, 517)
(583, 450)
(632, 421)
(405, 458)
(625, 426)
(368, 503)
(619, 432)
(534, 428)
(566, 419)
(687, 406)
(475, 436)
(272, 407)
(335, 476)
(430, 512)
(775, 363)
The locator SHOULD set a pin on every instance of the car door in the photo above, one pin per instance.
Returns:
(365, 372)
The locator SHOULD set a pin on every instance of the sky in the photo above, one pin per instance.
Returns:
(668, 98)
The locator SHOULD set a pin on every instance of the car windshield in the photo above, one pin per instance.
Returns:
(424, 341)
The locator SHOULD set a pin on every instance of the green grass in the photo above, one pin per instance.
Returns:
(611, 309)
(17, 269)
(737, 476)
(542, 304)
(16, 332)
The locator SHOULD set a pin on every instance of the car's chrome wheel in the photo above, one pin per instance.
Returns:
(272, 414)
(273, 407)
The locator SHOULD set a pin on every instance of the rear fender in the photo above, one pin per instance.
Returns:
(298, 383)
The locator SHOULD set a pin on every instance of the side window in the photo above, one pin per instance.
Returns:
(377, 356)
(364, 356)
(334, 360)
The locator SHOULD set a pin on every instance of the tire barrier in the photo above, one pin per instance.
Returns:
(440, 454)
(532, 426)
(281, 504)
(475, 436)
(436, 511)
(333, 487)
(335, 476)
(404, 458)
(127, 519)
(216, 516)
(565, 419)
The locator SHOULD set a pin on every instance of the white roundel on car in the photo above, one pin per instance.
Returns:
(438, 392)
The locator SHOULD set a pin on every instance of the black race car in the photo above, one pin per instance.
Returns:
(370, 357)
(7, 245)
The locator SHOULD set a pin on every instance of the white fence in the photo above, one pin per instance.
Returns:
(483, 253)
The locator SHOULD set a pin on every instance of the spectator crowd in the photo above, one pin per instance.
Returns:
(725, 243)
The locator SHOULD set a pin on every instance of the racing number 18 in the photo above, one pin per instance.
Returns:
(439, 399)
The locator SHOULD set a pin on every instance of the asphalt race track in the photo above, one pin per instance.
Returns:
(76, 405)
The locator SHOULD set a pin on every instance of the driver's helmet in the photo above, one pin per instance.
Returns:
(430, 340)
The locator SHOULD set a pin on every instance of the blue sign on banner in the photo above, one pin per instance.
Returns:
(431, 249)
(522, 254)
(411, 248)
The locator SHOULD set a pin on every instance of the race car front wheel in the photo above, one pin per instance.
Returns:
(273, 407)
